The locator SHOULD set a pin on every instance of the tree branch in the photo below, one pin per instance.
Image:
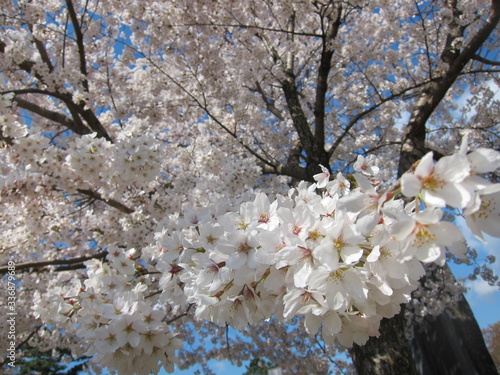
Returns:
(269, 102)
(369, 110)
(185, 313)
(299, 119)
(316, 153)
(53, 116)
(486, 61)
(79, 42)
(322, 81)
(291, 170)
(113, 203)
(413, 145)
(41, 264)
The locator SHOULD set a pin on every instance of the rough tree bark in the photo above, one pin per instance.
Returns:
(452, 343)
(388, 354)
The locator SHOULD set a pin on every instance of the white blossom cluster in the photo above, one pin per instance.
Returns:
(342, 256)
(133, 159)
(111, 311)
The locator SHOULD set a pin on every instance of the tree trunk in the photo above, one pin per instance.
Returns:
(388, 354)
(451, 344)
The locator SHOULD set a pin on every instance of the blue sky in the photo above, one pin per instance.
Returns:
(483, 298)
(218, 367)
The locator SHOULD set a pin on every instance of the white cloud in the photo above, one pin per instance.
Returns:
(219, 367)
(482, 289)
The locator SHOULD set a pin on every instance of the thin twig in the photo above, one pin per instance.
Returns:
(185, 313)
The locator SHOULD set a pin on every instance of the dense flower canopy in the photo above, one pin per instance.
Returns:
(237, 163)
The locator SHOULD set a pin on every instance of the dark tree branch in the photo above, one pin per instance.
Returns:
(79, 128)
(315, 155)
(291, 170)
(79, 42)
(87, 114)
(43, 53)
(92, 120)
(269, 102)
(486, 61)
(322, 81)
(413, 145)
(292, 167)
(185, 313)
(370, 110)
(40, 265)
(299, 119)
(65, 98)
(111, 202)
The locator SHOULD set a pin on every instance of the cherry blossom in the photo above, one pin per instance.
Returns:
(159, 169)
(439, 184)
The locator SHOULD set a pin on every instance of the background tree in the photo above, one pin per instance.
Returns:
(57, 361)
(258, 366)
(492, 337)
(138, 110)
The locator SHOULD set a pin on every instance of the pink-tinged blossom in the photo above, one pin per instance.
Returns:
(271, 243)
(322, 178)
(366, 203)
(213, 274)
(426, 237)
(240, 249)
(483, 214)
(387, 267)
(302, 302)
(264, 212)
(296, 222)
(439, 184)
(243, 221)
(340, 185)
(124, 265)
(342, 288)
(299, 260)
(366, 165)
(128, 329)
(210, 233)
(109, 339)
(342, 242)
(122, 303)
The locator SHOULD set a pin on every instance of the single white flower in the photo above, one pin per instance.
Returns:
(439, 184)
(426, 237)
(240, 249)
(340, 185)
(483, 215)
(322, 178)
(128, 329)
(366, 165)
